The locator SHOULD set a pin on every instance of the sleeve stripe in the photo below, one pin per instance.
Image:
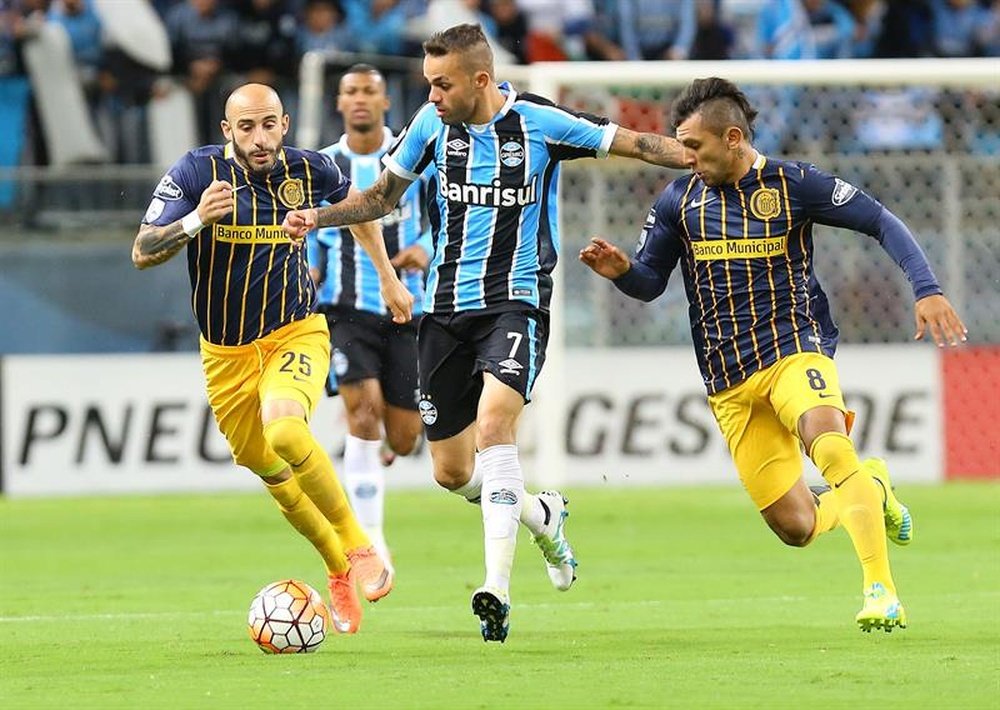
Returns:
(391, 164)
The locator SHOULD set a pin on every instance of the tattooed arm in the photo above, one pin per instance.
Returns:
(377, 201)
(155, 245)
(650, 147)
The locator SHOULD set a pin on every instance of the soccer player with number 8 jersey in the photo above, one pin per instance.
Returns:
(741, 228)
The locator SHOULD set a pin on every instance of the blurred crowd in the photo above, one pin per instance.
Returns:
(215, 44)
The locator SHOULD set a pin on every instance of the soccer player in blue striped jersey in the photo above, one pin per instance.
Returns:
(740, 226)
(264, 350)
(374, 358)
(495, 155)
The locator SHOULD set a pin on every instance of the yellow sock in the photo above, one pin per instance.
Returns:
(859, 504)
(827, 515)
(292, 441)
(305, 517)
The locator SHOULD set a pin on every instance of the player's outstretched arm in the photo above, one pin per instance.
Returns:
(359, 206)
(936, 314)
(396, 296)
(155, 245)
(650, 147)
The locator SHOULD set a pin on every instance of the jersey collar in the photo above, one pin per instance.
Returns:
(505, 88)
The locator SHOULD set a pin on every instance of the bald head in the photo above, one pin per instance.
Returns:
(256, 123)
(253, 97)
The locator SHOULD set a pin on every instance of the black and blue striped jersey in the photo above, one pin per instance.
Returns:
(746, 255)
(493, 218)
(349, 277)
(247, 277)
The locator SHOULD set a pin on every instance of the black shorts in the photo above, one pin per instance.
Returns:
(370, 346)
(456, 348)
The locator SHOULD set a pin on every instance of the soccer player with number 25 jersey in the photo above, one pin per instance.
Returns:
(741, 228)
(265, 353)
(495, 154)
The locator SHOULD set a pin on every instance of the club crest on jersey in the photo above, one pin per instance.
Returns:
(842, 192)
(512, 154)
(765, 203)
(291, 194)
(167, 189)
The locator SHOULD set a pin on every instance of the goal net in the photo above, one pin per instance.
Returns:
(922, 136)
(620, 400)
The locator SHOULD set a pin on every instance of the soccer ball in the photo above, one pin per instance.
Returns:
(288, 617)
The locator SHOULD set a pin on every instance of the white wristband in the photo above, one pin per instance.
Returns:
(192, 224)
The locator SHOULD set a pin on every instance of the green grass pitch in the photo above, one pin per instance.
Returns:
(684, 599)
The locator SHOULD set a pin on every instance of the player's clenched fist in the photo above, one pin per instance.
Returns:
(216, 202)
(298, 223)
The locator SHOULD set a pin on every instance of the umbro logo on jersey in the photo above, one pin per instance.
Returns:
(510, 366)
(705, 200)
(458, 148)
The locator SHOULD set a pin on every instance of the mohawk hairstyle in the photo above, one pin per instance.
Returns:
(719, 101)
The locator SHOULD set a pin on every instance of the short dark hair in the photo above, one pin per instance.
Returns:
(362, 68)
(719, 101)
(459, 38)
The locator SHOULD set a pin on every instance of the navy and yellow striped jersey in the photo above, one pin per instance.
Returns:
(247, 278)
(746, 254)
(349, 277)
(493, 219)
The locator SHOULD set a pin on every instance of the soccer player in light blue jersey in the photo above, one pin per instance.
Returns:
(740, 226)
(374, 364)
(481, 341)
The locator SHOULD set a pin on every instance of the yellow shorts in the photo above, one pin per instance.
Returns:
(759, 419)
(289, 363)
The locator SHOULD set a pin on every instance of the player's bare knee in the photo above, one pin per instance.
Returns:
(493, 431)
(794, 530)
(451, 477)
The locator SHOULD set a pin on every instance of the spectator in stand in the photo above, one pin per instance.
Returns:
(83, 27)
(650, 29)
(988, 35)
(323, 27)
(956, 23)
(378, 26)
(265, 48)
(832, 28)
(559, 30)
(511, 27)
(869, 18)
(713, 39)
(200, 31)
(908, 30)
(784, 31)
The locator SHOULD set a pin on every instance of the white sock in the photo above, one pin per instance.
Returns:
(364, 480)
(473, 488)
(503, 491)
(533, 513)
